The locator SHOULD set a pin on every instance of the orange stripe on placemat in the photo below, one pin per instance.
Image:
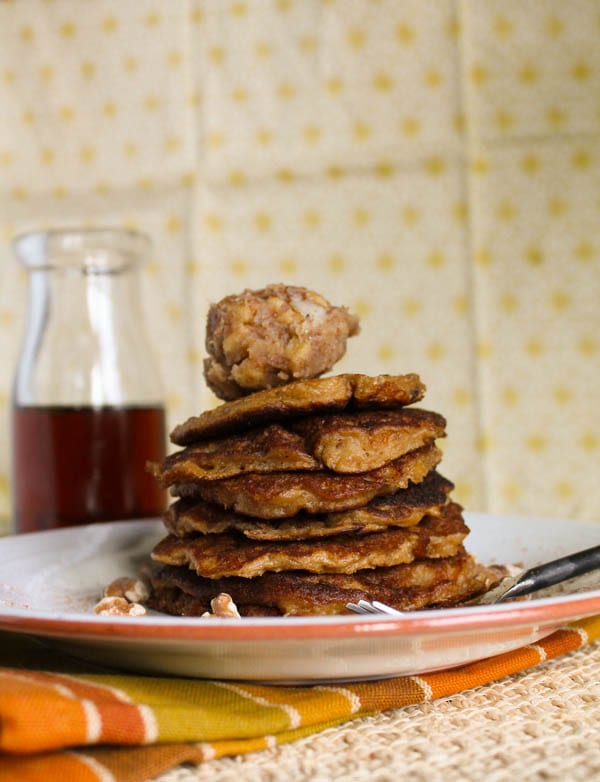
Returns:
(59, 766)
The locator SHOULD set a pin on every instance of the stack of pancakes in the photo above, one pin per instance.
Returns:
(299, 499)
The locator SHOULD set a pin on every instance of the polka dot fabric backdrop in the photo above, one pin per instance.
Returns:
(433, 165)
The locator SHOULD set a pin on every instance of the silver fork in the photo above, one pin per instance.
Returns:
(532, 580)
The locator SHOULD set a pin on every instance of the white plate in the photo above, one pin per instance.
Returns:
(49, 582)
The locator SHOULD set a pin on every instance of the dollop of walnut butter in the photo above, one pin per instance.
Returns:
(265, 338)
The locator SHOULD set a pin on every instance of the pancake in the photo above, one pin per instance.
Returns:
(420, 584)
(283, 494)
(229, 554)
(350, 443)
(259, 450)
(302, 397)
(404, 508)
(362, 441)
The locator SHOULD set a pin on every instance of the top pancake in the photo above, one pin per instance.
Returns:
(299, 398)
(346, 443)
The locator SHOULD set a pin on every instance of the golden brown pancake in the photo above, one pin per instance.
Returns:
(302, 397)
(349, 443)
(259, 450)
(404, 508)
(420, 584)
(362, 441)
(229, 554)
(282, 494)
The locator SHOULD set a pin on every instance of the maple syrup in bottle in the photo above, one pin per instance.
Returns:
(87, 411)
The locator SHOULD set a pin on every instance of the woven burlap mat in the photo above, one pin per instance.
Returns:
(540, 725)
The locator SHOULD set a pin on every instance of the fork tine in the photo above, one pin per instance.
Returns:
(376, 608)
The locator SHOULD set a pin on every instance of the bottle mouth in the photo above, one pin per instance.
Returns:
(89, 250)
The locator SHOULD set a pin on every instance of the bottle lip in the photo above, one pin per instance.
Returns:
(105, 250)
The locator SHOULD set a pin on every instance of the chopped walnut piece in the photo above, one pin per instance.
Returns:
(118, 606)
(133, 589)
(222, 607)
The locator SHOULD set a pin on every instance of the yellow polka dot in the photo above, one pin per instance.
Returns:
(459, 211)
(410, 126)
(483, 442)
(174, 58)
(307, 44)
(361, 131)
(504, 120)
(506, 211)
(411, 306)
(192, 266)
(556, 206)
(580, 71)
(285, 175)
(173, 224)
(385, 352)
(197, 16)
(436, 259)
(510, 396)
(6, 157)
(238, 9)
(587, 345)
(153, 19)
(480, 165)
(19, 194)
(151, 102)
(109, 109)
(194, 99)
(584, 251)
(479, 74)
(336, 263)
(237, 178)
(262, 221)
(172, 143)
(461, 396)
(482, 257)
(130, 149)
(130, 64)
(46, 73)
(511, 491)
(453, 27)
(386, 262)
(383, 82)
(239, 95)
(263, 50)
(288, 265)
(433, 77)
(173, 400)
(66, 113)
(238, 266)
(384, 168)
(193, 357)
(459, 122)
(26, 34)
(534, 347)
(503, 27)
(174, 311)
(564, 489)
(286, 90)
(312, 134)
(88, 69)
(87, 154)
(67, 29)
(405, 33)
(560, 301)
(528, 73)
(284, 5)
(554, 26)
(213, 222)
(215, 140)
(335, 172)
(534, 255)
(463, 491)
(8, 76)
(362, 308)
(102, 188)
(581, 159)
(47, 156)
(562, 395)
(312, 219)
(484, 350)
(4, 484)
(145, 183)
(556, 117)
(410, 214)
(588, 441)
(361, 216)
(536, 442)
(334, 85)
(434, 165)
(509, 303)
(530, 164)
(460, 304)
(110, 24)
(435, 351)
(356, 37)
(28, 117)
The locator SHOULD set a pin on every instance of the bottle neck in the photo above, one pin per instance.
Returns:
(85, 343)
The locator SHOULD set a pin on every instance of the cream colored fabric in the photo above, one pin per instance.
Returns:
(433, 165)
